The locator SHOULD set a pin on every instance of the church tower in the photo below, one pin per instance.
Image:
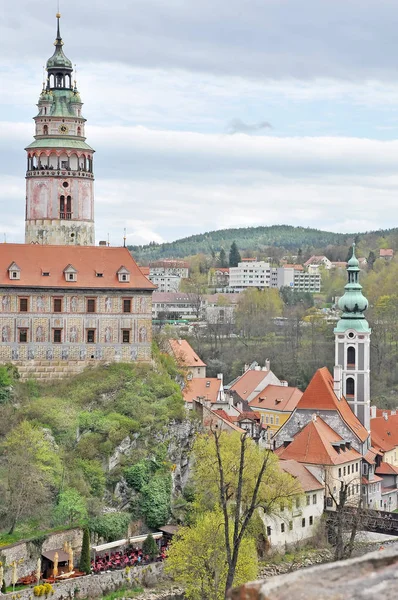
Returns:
(59, 177)
(352, 346)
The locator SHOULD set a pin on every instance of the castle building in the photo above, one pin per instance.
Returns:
(59, 176)
(64, 303)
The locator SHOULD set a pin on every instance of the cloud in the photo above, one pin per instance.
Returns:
(238, 126)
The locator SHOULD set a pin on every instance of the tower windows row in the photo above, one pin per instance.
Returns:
(54, 162)
(91, 305)
(57, 337)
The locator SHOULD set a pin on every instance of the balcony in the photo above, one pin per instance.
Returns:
(63, 171)
(65, 215)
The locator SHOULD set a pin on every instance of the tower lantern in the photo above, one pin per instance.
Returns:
(352, 345)
(59, 177)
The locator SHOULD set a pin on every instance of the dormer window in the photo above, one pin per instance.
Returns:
(70, 273)
(14, 271)
(123, 275)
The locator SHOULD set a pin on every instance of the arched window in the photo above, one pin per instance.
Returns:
(79, 131)
(350, 356)
(68, 206)
(62, 207)
(350, 387)
(45, 130)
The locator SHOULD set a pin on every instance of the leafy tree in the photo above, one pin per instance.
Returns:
(71, 508)
(31, 472)
(222, 259)
(235, 476)
(198, 559)
(150, 547)
(138, 475)
(234, 255)
(256, 309)
(293, 297)
(111, 526)
(6, 382)
(85, 558)
(371, 259)
(155, 500)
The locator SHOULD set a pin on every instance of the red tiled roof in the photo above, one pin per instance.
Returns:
(34, 259)
(247, 383)
(313, 445)
(295, 267)
(320, 395)
(381, 411)
(172, 264)
(314, 260)
(370, 456)
(375, 479)
(145, 271)
(384, 432)
(386, 469)
(386, 252)
(277, 397)
(206, 388)
(222, 269)
(185, 355)
(307, 480)
(174, 297)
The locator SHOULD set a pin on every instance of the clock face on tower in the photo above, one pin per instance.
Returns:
(63, 129)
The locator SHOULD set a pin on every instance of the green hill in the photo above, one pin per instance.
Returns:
(255, 239)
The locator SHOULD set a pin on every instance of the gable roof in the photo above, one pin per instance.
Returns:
(384, 432)
(307, 480)
(34, 259)
(386, 469)
(247, 383)
(320, 395)
(184, 354)
(206, 388)
(313, 444)
(277, 397)
(386, 252)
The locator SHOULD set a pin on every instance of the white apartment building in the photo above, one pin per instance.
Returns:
(259, 274)
(165, 283)
(248, 274)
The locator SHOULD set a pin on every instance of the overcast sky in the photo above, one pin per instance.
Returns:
(215, 113)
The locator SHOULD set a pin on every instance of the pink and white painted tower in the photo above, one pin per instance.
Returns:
(59, 178)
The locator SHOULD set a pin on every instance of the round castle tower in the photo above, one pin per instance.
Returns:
(352, 345)
(59, 177)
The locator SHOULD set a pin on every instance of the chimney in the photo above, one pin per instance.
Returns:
(385, 416)
(373, 412)
(267, 364)
(337, 381)
(220, 377)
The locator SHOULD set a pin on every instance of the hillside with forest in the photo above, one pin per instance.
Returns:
(258, 239)
(94, 448)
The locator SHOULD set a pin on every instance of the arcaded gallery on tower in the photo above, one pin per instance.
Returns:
(65, 303)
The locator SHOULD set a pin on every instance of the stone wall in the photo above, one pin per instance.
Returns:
(29, 552)
(369, 577)
(96, 586)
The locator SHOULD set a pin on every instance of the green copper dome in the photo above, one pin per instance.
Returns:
(58, 59)
(46, 96)
(353, 303)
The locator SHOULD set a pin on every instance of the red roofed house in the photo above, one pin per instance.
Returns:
(275, 405)
(208, 390)
(386, 253)
(253, 381)
(65, 303)
(384, 432)
(333, 458)
(299, 523)
(187, 358)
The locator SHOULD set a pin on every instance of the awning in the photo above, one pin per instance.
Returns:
(62, 556)
(138, 539)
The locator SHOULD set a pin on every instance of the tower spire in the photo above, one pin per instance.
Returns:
(352, 345)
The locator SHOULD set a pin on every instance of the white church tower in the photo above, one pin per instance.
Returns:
(352, 346)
